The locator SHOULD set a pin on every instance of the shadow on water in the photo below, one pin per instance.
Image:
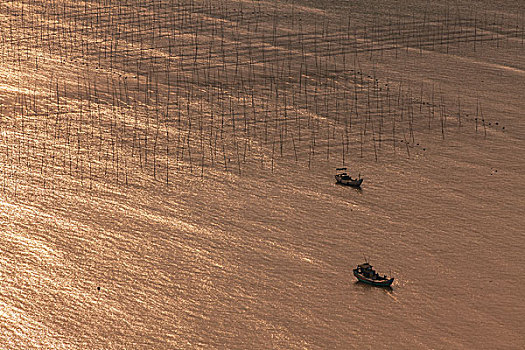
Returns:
(366, 286)
(356, 189)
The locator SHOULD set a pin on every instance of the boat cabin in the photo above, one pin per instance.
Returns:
(341, 172)
(366, 267)
(367, 270)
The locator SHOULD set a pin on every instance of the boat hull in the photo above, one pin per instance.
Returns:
(377, 283)
(349, 182)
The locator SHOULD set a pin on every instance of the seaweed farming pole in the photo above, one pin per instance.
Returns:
(522, 28)
(393, 127)
(459, 113)
(483, 121)
(475, 29)
(477, 115)
(442, 114)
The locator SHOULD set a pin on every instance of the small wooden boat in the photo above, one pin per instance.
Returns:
(366, 274)
(344, 179)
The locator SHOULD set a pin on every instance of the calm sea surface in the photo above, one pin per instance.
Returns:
(264, 260)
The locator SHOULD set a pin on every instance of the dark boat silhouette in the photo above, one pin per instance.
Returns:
(366, 274)
(343, 178)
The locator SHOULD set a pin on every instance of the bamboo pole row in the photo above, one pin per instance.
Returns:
(161, 87)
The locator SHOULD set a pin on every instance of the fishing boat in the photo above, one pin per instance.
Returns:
(366, 274)
(343, 178)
